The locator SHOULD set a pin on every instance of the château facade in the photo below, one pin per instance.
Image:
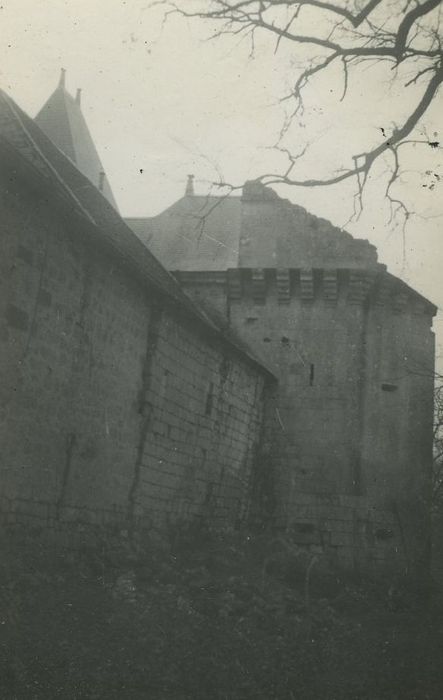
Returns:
(275, 374)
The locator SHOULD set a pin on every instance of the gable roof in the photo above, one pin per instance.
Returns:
(257, 230)
(62, 120)
(41, 158)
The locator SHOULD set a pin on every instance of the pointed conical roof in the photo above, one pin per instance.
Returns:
(62, 121)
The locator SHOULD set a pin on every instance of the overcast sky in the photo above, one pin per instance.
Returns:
(162, 103)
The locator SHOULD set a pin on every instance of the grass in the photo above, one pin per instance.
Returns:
(223, 617)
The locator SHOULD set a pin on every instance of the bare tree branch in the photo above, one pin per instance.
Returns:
(394, 35)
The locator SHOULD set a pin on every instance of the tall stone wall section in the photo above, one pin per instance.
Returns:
(117, 407)
(349, 430)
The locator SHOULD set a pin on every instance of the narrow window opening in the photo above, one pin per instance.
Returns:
(209, 399)
(164, 383)
(389, 387)
(311, 375)
(384, 533)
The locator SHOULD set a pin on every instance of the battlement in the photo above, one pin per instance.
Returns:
(308, 285)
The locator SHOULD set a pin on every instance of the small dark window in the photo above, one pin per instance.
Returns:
(209, 399)
(389, 387)
(311, 375)
(266, 340)
(383, 533)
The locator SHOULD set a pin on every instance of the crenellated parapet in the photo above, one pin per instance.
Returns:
(258, 285)
(283, 280)
(308, 285)
(360, 284)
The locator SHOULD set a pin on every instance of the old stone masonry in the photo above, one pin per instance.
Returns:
(262, 370)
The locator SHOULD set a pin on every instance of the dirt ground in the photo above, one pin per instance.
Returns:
(208, 617)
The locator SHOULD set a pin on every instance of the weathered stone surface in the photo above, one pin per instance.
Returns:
(117, 406)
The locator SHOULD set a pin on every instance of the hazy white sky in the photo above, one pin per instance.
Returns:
(168, 102)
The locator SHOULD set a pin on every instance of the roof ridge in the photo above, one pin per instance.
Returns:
(53, 171)
(65, 94)
(105, 222)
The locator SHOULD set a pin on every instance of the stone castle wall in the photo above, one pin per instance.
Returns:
(117, 406)
(349, 432)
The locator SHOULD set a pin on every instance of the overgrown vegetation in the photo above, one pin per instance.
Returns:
(214, 616)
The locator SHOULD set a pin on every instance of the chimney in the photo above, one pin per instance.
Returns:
(78, 97)
(101, 180)
(190, 186)
(61, 82)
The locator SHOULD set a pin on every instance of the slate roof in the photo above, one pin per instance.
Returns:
(195, 233)
(61, 119)
(257, 230)
(42, 158)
